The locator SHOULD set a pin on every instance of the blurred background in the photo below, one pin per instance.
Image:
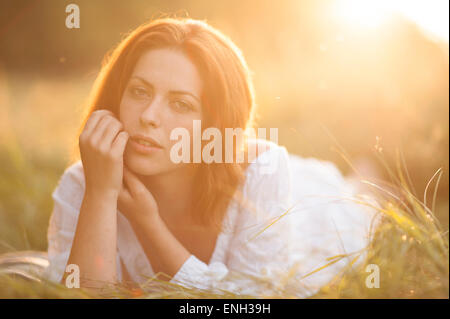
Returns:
(367, 77)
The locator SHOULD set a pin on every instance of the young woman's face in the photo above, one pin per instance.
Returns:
(163, 93)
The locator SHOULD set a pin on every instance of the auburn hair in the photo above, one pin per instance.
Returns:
(227, 97)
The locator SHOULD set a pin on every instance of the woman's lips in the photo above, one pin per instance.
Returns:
(139, 147)
(146, 140)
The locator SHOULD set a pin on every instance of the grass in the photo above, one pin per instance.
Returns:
(408, 245)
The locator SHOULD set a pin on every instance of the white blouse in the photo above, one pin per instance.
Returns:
(293, 214)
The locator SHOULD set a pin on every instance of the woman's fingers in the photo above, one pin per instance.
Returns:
(93, 120)
(98, 133)
(109, 134)
(103, 169)
(102, 132)
(119, 144)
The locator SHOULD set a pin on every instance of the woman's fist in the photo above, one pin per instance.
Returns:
(102, 144)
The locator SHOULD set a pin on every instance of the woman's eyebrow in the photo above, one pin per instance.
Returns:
(142, 80)
(173, 92)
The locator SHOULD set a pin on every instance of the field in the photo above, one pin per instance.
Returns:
(369, 100)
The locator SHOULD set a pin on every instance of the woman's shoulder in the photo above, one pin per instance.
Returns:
(265, 157)
(314, 175)
(267, 176)
(274, 161)
(278, 172)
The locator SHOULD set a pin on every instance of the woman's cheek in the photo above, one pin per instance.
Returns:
(130, 120)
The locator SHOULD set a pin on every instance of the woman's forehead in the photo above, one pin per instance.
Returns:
(168, 69)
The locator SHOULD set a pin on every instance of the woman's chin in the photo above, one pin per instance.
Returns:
(143, 167)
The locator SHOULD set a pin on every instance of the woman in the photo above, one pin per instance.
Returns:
(128, 210)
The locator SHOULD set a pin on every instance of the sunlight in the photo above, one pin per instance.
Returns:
(431, 16)
(362, 13)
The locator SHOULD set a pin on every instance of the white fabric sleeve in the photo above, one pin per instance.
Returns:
(254, 252)
(67, 199)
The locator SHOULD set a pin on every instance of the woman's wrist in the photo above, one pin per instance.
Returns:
(106, 194)
(101, 201)
(150, 223)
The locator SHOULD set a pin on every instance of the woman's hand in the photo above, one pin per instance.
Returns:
(135, 201)
(102, 144)
(163, 250)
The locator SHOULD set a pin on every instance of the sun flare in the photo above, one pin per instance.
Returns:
(431, 16)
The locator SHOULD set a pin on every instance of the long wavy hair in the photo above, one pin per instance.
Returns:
(227, 99)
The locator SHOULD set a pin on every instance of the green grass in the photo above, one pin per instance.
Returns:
(408, 244)
(26, 185)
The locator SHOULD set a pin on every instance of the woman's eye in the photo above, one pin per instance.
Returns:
(182, 106)
(139, 92)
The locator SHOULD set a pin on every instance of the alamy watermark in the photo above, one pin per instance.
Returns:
(373, 280)
(212, 151)
(73, 19)
(73, 278)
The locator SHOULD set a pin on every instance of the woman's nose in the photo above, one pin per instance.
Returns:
(151, 114)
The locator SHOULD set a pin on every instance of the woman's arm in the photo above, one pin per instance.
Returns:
(95, 241)
(94, 244)
(163, 250)
(165, 253)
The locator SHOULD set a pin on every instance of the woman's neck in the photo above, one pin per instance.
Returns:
(172, 191)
